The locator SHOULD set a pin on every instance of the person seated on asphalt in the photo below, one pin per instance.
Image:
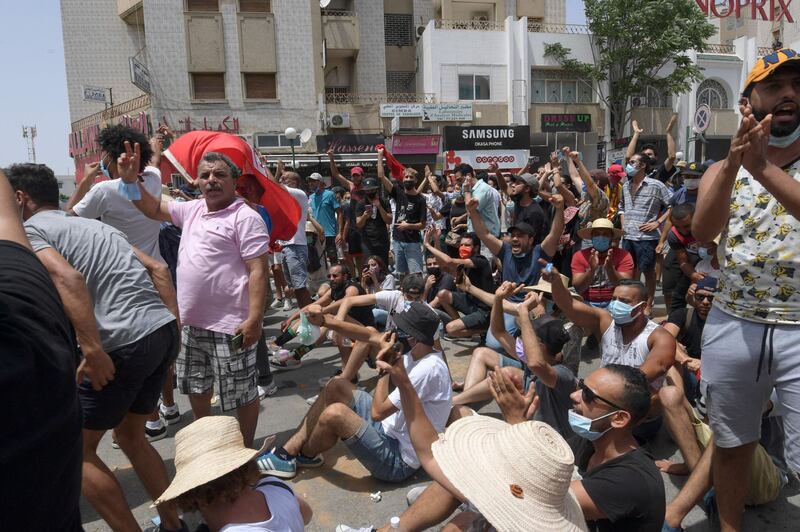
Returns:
(621, 488)
(341, 287)
(217, 476)
(686, 325)
(597, 270)
(695, 441)
(537, 363)
(519, 256)
(373, 428)
(376, 277)
(627, 336)
(472, 264)
(678, 269)
(435, 281)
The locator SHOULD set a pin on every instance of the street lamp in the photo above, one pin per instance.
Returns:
(291, 135)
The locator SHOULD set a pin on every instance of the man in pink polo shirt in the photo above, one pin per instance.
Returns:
(222, 277)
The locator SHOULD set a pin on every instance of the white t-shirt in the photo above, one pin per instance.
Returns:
(299, 237)
(705, 267)
(431, 380)
(283, 506)
(105, 202)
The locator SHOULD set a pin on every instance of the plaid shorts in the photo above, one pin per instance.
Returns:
(206, 361)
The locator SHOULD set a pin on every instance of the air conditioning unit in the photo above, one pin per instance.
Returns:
(339, 120)
(480, 16)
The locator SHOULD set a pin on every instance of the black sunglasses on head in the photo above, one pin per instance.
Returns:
(588, 396)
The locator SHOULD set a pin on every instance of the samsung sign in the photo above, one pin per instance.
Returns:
(487, 138)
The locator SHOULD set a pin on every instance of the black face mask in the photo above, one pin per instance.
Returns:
(408, 185)
(372, 195)
(435, 271)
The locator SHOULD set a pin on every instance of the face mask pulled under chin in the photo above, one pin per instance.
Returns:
(785, 141)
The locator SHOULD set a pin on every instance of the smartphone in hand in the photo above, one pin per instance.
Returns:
(236, 342)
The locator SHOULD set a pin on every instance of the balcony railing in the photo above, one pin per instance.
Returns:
(542, 27)
(140, 102)
(477, 25)
(720, 49)
(377, 98)
(765, 50)
(337, 13)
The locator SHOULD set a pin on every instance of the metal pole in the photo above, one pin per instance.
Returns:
(294, 166)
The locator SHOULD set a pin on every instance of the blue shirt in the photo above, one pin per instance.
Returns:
(524, 270)
(265, 216)
(681, 196)
(324, 207)
(488, 202)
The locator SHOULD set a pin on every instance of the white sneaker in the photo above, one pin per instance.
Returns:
(267, 391)
(287, 305)
(276, 304)
(414, 493)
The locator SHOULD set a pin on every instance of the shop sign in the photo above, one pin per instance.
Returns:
(555, 123)
(487, 138)
(416, 144)
(429, 112)
(349, 143)
(481, 159)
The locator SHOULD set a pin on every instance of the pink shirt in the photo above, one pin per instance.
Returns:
(212, 275)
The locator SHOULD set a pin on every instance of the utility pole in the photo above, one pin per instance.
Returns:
(29, 134)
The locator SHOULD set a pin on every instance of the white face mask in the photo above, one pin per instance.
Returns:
(691, 184)
(788, 140)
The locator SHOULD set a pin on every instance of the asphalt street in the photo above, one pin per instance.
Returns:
(339, 492)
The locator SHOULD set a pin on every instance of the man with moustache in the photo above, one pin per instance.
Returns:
(750, 341)
(222, 278)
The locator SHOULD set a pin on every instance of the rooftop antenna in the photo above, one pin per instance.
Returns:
(29, 134)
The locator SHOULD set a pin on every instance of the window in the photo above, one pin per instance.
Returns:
(398, 30)
(255, 6)
(207, 86)
(398, 82)
(202, 5)
(555, 86)
(652, 97)
(713, 94)
(473, 87)
(259, 86)
(272, 140)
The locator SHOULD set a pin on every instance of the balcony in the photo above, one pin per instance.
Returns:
(341, 31)
(475, 25)
(724, 49)
(535, 26)
(367, 98)
(765, 50)
(131, 11)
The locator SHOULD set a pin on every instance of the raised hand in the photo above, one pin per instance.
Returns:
(91, 171)
(128, 162)
(532, 300)
(557, 200)
(636, 128)
(507, 289)
(511, 401)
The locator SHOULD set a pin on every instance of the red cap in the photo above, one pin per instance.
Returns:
(615, 173)
(356, 170)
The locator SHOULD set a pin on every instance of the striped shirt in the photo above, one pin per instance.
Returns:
(652, 197)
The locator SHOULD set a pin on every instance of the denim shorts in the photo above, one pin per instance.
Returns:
(295, 265)
(643, 252)
(376, 451)
(407, 257)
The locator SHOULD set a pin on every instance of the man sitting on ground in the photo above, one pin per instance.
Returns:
(373, 428)
(597, 270)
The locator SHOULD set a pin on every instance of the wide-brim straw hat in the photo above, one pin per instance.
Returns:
(547, 287)
(207, 449)
(600, 223)
(520, 476)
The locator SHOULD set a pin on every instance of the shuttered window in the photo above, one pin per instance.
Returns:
(207, 86)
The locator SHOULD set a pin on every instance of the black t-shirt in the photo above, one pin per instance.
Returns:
(41, 441)
(691, 335)
(457, 210)
(362, 315)
(629, 491)
(444, 282)
(661, 173)
(375, 231)
(480, 276)
(534, 216)
(408, 209)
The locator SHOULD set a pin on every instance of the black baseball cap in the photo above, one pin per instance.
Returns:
(693, 169)
(419, 321)
(370, 183)
(522, 226)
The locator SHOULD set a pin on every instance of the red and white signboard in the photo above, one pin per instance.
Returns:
(481, 159)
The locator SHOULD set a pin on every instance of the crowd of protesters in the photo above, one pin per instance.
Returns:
(679, 275)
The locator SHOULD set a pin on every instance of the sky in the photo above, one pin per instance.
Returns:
(35, 89)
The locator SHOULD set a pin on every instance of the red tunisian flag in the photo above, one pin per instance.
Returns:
(396, 168)
(187, 151)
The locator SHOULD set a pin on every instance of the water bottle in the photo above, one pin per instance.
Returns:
(394, 523)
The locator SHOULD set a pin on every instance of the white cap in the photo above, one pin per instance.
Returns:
(316, 176)
(678, 155)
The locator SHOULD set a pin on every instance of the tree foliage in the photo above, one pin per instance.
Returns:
(634, 42)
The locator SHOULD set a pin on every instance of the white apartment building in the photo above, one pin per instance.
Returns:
(256, 67)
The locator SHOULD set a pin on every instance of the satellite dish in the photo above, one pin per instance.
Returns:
(305, 135)
(324, 3)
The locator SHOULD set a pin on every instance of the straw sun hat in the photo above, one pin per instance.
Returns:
(520, 481)
(207, 449)
(600, 223)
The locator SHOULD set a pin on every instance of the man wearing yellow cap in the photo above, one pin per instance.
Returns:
(751, 342)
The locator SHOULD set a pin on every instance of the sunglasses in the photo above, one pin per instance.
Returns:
(709, 298)
(588, 396)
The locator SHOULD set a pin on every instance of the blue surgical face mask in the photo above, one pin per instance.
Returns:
(788, 140)
(104, 168)
(621, 311)
(601, 243)
(631, 170)
(582, 425)
(703, 253)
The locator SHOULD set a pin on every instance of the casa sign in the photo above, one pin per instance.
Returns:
(754, 9)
